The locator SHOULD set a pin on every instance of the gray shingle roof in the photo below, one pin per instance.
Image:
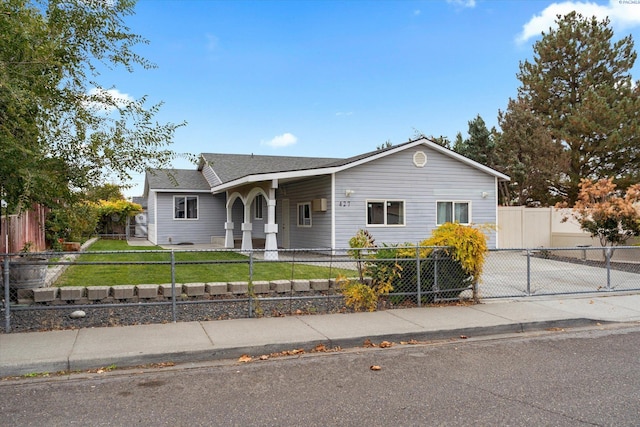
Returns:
(176, 179)
(230, 167)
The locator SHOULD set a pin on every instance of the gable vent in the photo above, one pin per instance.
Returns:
(419, 159)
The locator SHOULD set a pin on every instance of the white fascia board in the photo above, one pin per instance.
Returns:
(178, 190)
(250, 179)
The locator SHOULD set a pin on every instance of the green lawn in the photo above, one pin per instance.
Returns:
(228, 267)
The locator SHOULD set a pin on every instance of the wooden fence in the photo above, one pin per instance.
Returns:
(17, 230)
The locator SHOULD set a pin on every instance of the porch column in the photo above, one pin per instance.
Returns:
(228, 238)
(271, 228)
(247, 228)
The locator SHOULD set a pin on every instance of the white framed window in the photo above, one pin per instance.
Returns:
(257, 206)
(385, 212)
(453, 211)
(304, 214)
(185, 207)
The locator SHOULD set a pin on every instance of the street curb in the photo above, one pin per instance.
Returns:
(81, 364)
(471, 332)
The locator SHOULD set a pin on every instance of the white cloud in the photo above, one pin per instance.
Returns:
(108, 100)
(284, 140)
(417, 12)
(621, 15)
(344, 113)
(463, 3)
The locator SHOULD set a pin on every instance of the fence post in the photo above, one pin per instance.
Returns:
(173, 286)
(436, 287)
(607, 252)
(528, 273)
(250, 284)
(7, 296)
(418, 285)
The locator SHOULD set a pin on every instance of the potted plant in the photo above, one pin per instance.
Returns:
(28, 270)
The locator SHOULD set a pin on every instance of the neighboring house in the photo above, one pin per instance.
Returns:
(400, 194)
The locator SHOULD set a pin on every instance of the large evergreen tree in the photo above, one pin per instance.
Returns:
(579, 84)
(61, 130)
(526, 152)
(480, 145)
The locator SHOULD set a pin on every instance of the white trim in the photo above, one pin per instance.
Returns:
(333, 211)
(497, 228)
(176, 190)
(155, 215)
(384, 204)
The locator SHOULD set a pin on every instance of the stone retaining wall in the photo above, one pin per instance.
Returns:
(163, 292)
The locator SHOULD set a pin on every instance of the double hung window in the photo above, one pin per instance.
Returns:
(453, 212)
(185, 207)
(304, 214)
(385, 212)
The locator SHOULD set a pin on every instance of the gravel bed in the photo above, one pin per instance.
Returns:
(36, 318)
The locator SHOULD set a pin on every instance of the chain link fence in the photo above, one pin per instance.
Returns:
(556, 271)
(139, 287)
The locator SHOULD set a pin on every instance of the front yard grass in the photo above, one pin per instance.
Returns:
(199, 266)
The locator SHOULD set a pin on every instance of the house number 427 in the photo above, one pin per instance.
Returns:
(344, 203)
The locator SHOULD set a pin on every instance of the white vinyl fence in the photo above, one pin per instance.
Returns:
(522, 227)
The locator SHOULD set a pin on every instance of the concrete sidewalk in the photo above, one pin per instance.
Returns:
(83, 349)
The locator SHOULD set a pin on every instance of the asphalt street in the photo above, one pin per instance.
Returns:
(561, 377)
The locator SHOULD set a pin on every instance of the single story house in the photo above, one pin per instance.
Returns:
(400, 194)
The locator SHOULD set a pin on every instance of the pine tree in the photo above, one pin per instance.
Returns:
(579, 85)
(480, 146)
(527, 153)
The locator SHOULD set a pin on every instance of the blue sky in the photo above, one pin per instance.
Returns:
(332, 78)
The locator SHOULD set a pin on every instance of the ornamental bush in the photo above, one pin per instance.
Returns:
(441, 277)
(463, 246)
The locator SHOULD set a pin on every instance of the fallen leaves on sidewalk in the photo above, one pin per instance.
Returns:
(375, 367)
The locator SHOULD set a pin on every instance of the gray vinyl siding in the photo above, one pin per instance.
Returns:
(151, 208)
(305, 191)
(396, 178)
(210, 222)
(210, 176)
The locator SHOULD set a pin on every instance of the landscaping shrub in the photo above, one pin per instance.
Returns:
(451, 279)
(375, 278)
(459, 262)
